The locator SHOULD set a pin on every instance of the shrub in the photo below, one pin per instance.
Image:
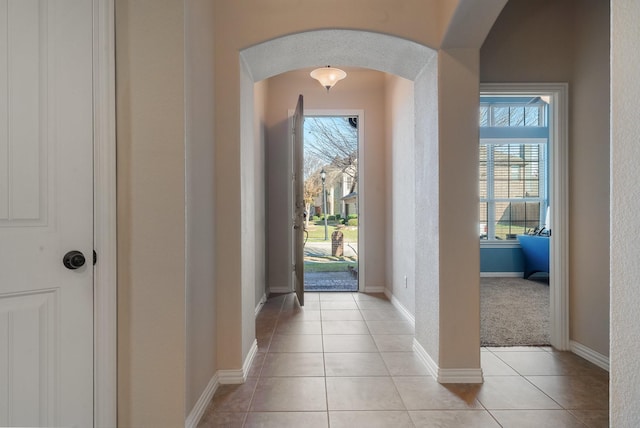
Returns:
(338, 217)
(315, 218)
(352, 216)
(331, 218)
(352, 222)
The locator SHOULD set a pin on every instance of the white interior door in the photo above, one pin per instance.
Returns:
(46, 210)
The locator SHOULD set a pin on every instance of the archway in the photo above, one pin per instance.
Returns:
(423, 66)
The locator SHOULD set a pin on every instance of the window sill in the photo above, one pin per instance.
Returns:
(512, 243)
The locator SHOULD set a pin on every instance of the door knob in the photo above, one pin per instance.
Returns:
(73, 260)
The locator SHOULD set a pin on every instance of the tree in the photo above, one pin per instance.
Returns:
(334, 141)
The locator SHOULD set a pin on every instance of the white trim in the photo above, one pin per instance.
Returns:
(460, 376)
(193, 419)
(501, 274)
(446, 375)
(485, 243)
(558, 199)
(372, 288)
(238, 376)
(261, 303)
(399, 306)
(426, 359)
(280, 290)
(590, 355)
(105, 244)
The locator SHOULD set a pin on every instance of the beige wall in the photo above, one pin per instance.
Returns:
(625, 205)
(400, 190)
(151, 213)
(361, 90)
(201, 337)
(260, 139)
(567, 41)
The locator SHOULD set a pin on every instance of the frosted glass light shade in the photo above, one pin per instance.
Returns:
(328, 76)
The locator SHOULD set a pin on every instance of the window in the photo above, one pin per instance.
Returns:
(513, 167)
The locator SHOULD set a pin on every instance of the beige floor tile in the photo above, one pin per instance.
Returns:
(390, 327)
(494, 366)
(349, 343)
(453, 419)
(341, 315)
(330, 305)
(381, 315)
(289, 394)
(536, 419)
(300, 315)
(299, 327)
(333, 297)
(370, 419)
(355, 364)
(513, 392)
(575, 392)
(344, 327)
(256, 365)
(362, 393)
(592, 418)
(293, 364)
(296, 343)
(404, 364)
(375, 304)
(233, 398)
(222, 419)
(394, 342)
(534, 363)
(425, 393)
(287, 419)
(312, 305)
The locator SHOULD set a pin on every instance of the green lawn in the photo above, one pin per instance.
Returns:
(316, 231)
(328, 266)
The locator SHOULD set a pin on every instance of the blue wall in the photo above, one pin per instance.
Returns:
(501, 260)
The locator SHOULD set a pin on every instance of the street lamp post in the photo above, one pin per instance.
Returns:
(323, 176)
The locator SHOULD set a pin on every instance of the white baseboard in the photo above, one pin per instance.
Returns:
(460, 376)
(261, 303)
(279, 290)
(426, 359)
(590, 355)
(399, 306)
(193, 419)
(501, 274)
(447, 375)
(238, 376)
(373, 289)
(221, 377)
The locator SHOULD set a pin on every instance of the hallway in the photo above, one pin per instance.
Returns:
(346, 360)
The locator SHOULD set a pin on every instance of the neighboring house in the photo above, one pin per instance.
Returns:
(342, 192)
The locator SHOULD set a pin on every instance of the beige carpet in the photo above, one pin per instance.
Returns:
(514, 312)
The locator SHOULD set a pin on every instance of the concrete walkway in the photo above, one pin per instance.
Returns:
(330, 281)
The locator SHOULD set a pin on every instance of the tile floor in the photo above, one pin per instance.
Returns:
(346, 360)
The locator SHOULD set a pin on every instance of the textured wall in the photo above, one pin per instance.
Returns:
(151, 212)
(400, 196)
(625, 204)
(200, 291)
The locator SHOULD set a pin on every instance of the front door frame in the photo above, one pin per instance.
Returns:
(105, 269)
(361, 185)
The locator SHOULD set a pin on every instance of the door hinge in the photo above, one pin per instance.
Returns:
(95, 257)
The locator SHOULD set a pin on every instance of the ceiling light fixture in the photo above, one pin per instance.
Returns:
(328, 76)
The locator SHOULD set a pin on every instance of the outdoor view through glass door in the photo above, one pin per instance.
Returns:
(331, 203)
